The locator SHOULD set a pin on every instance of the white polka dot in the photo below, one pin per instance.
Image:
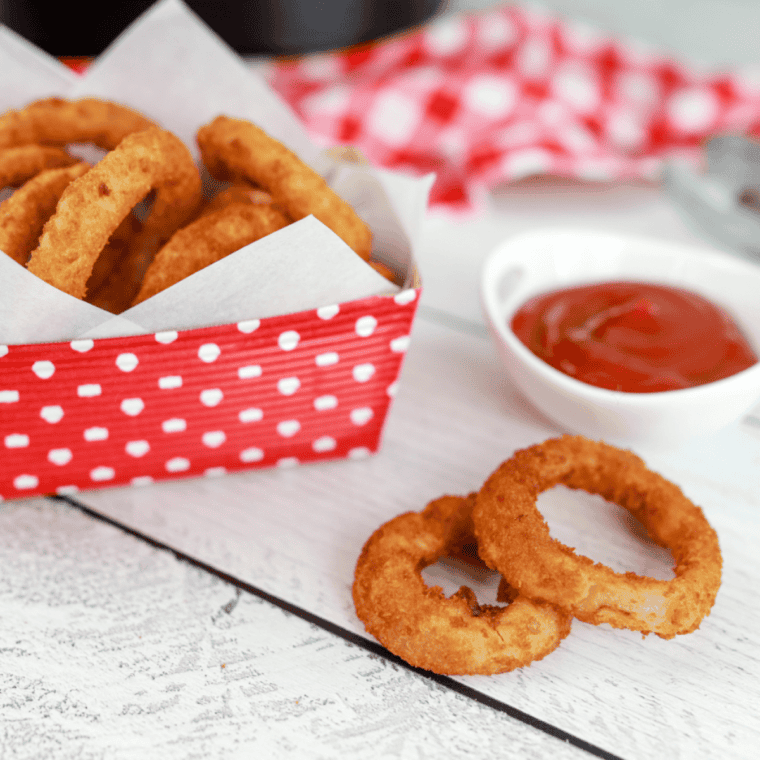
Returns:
(141, 480)
(253, 414)
(251, 455)
(361, 415)
(89, 390)
(24, 482)
(577, 85)
(326, 359)
(288, 428)
(322, 403)
(363, 372)
(60, 457)
(328, 312)
(215, 472)
(177, 464)
(137, 449)
(496, 31)
(211, 396)
(132, 406)
(288, 385)
(288, 340)
(209, 352)
(170, 381)
(533, 57)
(43, 369)
(248, 325)
(325, 443)
(213, 438)
(99, 474)
(82, 345)
(360, 452)
(694, 109)
(166, 336)
(392, 389)
(174, 425)
(126, 362)
(51, 414)
(400, 344)
(393, 118)
(96, 434)
(287, 462)
(16, 441)
(490, 96)
(67, 490)
(446, 37)
(3, 350)
(405, 297)
(365, 326)
(249, 371)
(8, 397)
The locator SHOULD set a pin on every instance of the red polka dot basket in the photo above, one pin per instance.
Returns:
(279, 391)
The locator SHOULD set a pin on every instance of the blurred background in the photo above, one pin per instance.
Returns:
(711, 33)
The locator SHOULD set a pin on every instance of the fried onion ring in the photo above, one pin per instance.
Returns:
(17, 165)
(23, 215)
(454, 636)
(235, 150)
(56, 121)
(93, 206)
(209, 238)
(514, 539)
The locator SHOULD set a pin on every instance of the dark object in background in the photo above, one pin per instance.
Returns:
(252, 27)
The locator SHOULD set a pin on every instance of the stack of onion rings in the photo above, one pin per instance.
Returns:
(546, 581)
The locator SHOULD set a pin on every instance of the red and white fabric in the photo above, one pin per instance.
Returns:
(495, 96)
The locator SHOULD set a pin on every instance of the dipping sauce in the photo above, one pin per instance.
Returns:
(634, 337)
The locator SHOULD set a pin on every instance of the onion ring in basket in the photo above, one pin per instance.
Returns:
(56, 121)
(514, 538)
(235, 150)
(454, 636)
(93, 206)
(23, 215)
(17, 165)
(209, 238)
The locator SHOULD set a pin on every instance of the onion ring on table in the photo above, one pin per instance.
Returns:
(93, 206)
(23, 215)
(514, 538)
(56, 121)
(454, 636)
(235, 150)
(17, 165)
(209, 238)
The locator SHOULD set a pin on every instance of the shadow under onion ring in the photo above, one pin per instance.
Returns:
(449, 636)
(513, 538)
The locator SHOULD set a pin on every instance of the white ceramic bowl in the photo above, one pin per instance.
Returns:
(551, 259)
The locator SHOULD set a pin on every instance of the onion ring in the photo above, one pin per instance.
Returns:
(93, 206)
(454, 636)
(23, 215)
(209, 238)
(235, 150)
(56, 121)
(17, 165)
(514, 538)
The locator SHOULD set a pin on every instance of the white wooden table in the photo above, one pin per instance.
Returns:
(213, 617)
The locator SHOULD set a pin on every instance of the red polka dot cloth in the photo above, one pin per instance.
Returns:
(495, 96)
(279, 391)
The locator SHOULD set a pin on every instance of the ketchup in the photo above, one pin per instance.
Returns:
(633, 336)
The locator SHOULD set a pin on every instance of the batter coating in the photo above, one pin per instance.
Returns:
(513, 538)
(455, 636)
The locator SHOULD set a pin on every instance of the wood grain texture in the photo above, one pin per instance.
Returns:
(114, 649)
(297, 533)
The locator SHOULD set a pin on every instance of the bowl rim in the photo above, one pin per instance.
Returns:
(509, 250)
